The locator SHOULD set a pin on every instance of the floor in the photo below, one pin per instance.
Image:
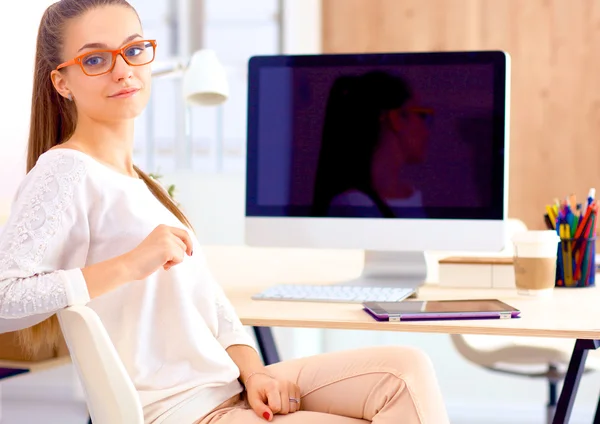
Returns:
(16, 412)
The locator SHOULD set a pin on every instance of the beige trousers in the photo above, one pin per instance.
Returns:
(382, 385)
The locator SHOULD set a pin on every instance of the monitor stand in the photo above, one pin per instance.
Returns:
(392, 269)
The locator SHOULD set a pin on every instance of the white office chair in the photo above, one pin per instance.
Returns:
(531, 357)
(110, 395)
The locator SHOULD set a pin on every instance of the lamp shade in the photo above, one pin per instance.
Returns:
(205, 80)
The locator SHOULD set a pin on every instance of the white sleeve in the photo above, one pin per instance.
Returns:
(44, 244)
(230, 329)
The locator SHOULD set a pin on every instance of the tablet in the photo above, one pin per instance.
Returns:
(424, 310)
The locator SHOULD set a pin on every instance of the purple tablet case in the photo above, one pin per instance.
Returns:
(442, 316)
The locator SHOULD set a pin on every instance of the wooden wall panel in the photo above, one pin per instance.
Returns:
(555, 96)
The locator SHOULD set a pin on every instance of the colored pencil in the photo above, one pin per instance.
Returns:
(576, 225)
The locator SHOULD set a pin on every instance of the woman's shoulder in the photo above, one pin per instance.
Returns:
(352, 198)
(57, 174)
(353, 203)
(95, 169)
(62, 166)
(61, 160)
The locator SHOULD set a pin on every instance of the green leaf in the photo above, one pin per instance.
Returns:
(171, 191)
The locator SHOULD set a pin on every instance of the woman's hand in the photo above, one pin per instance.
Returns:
(268, 396)
(164, 247)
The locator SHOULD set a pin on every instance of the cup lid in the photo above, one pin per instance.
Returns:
(533, 236)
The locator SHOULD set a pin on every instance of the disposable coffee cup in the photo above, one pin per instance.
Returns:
(535, 262)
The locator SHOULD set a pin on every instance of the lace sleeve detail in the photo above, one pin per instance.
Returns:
(44, 221)
(22, 297)
(38, 217)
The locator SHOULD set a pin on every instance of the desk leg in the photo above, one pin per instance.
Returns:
(572, 379)
(266, 345)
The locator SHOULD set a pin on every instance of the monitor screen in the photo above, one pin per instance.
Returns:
(413, 135)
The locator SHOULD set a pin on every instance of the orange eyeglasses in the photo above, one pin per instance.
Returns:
(423, 112)
(426, 114)
(100, 62)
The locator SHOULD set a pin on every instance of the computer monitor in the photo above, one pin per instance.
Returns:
(395, 153)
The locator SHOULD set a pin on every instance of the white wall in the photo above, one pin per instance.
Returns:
(18, 28)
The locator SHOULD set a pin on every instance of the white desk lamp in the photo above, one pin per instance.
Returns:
(204, 79)
(203, 83)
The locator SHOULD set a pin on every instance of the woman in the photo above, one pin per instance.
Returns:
(88, 227)
(372, 128)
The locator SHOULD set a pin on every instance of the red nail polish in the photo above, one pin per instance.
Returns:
(266, 415)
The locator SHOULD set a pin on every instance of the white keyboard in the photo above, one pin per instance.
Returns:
(334, 293)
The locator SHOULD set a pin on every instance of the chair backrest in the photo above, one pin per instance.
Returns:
(110, 395)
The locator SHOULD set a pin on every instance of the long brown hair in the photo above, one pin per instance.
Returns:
(53, 121)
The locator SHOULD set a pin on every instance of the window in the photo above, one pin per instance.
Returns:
(211, 139)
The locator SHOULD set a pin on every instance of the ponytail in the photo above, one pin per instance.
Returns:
(163, 197)
(53, 117)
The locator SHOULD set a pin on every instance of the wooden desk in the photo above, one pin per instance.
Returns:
(569, 313)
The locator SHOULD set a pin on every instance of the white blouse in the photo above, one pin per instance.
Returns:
(170, 330)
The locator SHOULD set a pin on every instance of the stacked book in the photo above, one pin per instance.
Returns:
(476, 272)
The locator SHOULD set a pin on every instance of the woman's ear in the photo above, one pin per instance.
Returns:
(60, 84)
(394, 119)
